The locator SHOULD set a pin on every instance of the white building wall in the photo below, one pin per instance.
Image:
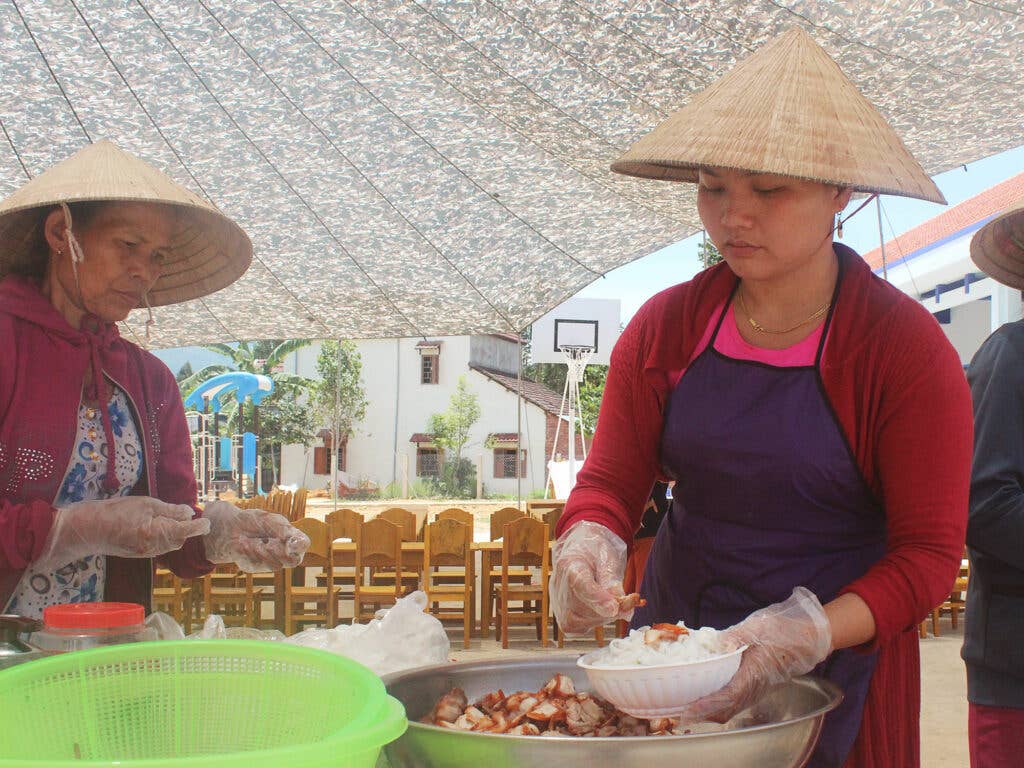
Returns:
(399, 405)
(975, 311)
(968, 327)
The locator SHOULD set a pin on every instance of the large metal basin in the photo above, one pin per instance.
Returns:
(791, 717)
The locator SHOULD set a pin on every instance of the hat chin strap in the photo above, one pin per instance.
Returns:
(150, 322)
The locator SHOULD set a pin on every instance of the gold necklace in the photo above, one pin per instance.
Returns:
(761, 329)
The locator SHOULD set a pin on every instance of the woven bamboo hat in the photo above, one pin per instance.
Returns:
(209, 250)
(998, 247)
(786, 109)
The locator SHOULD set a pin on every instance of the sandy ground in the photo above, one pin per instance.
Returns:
(943, 681)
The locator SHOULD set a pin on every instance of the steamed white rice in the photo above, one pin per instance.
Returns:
(698, 645)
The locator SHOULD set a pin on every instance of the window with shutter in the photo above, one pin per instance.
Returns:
(428, 462)
(429, 369)
(505, 463)
(320, 464)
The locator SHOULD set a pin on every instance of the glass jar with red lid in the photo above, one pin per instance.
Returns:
(78, 626)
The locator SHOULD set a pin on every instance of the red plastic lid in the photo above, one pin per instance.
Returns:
(90, 615)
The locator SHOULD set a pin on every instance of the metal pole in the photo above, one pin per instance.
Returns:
(519, 423)
(881, 237)
(335, 436)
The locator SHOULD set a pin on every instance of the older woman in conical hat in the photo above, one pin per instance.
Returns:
(815, 420)
(96, 471)
(995, 526)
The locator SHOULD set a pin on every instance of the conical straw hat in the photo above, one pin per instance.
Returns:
(998, 247)
(786, 109)
(209, 250)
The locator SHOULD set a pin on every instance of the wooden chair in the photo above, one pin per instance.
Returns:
(379, 545)
(173, 597)
(524, 544)
(502, 516)
(454, 513)
(404, 519)
(305, 604)
(954, 603)
(406, 522)
(550, 518)
(298, 507)
(447, 544)
(345, 524)
(491, 576)
(236, 604)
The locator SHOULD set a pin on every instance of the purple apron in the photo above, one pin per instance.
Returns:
(767, 497)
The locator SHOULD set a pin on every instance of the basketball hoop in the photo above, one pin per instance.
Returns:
(577, 333)
(576, 358)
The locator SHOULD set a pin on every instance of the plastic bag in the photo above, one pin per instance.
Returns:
(165, 626)
(214, 629)
(398, 638)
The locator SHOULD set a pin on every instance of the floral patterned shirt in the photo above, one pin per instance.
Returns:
(82, 581)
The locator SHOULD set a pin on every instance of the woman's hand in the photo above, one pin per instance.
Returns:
(586, 582)
(125, 526)
(783, 640)
(253, 539)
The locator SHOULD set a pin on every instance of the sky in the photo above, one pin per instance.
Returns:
(636, 282)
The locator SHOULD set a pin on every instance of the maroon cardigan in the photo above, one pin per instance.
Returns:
(43, 362)
(900, 396)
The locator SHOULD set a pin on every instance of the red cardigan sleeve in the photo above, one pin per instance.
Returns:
(23, 531)
(921, 441)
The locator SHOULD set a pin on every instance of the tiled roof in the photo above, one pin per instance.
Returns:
(508, 337)
(429, 343)
(502, 437)
(540, 395)
(974, 210)
(421, 437)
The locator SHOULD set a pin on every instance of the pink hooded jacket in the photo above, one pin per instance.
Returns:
(43, 364)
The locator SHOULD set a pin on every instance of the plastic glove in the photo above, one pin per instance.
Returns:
(253, 539)
(586, 580)
(125, 526)
(784, 640)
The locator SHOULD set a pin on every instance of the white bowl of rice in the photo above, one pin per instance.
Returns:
(656, 672)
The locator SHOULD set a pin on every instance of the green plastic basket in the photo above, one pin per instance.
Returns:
(195, 703)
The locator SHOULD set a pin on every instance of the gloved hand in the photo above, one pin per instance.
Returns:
(253, 539)
(589, 562)
(124, 526)
(784, 640)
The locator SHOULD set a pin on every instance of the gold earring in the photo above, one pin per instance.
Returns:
(839, 226)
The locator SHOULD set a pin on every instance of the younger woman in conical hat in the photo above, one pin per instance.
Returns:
(816, 421)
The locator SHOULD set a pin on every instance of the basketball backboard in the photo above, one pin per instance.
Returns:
(577, 322)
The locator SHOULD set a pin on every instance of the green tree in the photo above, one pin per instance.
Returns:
(338, 399)
(184, 372)
(450, 431)
(283, 418)
(708, 254)
(591, 393)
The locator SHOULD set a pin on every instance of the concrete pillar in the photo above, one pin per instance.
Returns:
(1006, 306)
